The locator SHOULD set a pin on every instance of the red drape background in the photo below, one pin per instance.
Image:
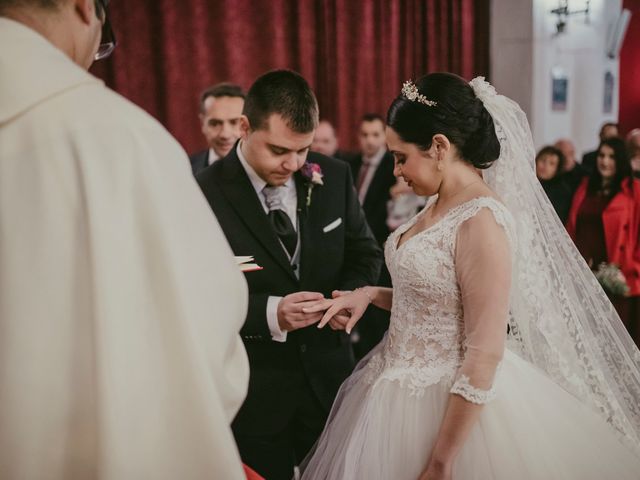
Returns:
(630, 71)
(354, 53)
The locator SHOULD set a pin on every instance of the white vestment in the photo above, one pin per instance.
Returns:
(120, 300)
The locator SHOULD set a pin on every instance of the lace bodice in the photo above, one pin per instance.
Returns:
(427, 339)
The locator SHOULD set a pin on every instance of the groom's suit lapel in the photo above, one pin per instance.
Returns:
(237, 187)
(308, 218)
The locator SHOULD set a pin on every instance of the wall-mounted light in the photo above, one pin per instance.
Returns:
(563, 12)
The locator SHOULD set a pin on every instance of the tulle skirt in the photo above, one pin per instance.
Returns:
(533, 430)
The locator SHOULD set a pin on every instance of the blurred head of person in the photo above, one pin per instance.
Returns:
(325, 140)
(371, 134)
(608, 130)
(278, 124)
(220, 111)
(80, 28)
(568, 149)
(549, 163)
(612, 167)
(633, 142)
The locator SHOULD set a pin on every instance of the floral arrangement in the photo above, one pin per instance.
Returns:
(612, 279)
(313, 174)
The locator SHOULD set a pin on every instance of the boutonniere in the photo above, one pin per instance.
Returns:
(313, 176)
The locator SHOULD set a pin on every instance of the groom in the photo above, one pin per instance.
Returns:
(304, 226)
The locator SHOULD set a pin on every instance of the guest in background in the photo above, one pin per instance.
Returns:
(373, 174)
(608, 130)
(220, 110)
(549, 169)
(325, 141)
(404, 204)
(633, 149)
(604, 222)
(572, 171)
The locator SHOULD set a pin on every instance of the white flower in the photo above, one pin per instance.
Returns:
(483, 89)
(316, 178)
(612, 279)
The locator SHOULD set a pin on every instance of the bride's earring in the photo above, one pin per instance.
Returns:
(439, 167)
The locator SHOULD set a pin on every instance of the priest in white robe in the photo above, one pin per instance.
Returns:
(120, 300)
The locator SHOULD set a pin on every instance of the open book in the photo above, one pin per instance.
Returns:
(247, 264)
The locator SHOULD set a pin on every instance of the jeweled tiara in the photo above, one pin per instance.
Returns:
(410, 91)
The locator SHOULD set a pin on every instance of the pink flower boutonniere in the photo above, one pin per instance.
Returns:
(313, 174)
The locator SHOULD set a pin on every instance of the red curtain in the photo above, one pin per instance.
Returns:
(630, 71)
(354, 53)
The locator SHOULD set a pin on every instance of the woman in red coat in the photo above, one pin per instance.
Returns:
(604, 223)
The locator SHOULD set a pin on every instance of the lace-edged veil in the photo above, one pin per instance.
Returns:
(560, 318)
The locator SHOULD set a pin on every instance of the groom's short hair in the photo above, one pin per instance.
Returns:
(286, 93)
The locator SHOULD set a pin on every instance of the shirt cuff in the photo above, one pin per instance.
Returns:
(277, 335)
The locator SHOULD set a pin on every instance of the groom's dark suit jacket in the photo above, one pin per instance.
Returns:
(343, 257)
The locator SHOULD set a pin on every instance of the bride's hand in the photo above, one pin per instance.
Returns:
(353, 304)
(338, 321)
(436, 471)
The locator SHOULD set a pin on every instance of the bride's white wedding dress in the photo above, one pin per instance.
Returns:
(387, 414)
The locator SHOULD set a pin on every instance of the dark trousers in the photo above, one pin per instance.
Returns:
(274, 454)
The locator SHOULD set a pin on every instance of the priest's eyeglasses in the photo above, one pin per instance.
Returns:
(108, 39)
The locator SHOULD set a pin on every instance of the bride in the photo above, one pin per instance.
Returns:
(504, 359)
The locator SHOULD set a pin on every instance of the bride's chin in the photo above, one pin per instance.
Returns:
(421, 191)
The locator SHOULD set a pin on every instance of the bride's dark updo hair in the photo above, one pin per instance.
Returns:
(459, 115)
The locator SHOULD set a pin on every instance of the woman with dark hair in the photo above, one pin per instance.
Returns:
(604, 222)
(451, 392)
(550, 163)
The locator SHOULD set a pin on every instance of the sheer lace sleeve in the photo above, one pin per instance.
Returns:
(483, 270)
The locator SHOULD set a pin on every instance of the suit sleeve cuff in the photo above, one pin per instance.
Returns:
(277, 335)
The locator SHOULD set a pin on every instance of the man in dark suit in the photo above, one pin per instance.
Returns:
(573, 171)
(373, 175)
(304, 226)
(220, 110)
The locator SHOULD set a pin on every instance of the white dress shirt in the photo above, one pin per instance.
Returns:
(291, 209)
(213, 156)
(373, 163)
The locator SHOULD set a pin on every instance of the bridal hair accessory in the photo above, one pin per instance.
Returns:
(483, 89)
(410, 91)
(486, 93)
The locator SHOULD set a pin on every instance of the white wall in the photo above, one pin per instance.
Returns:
(525, 49)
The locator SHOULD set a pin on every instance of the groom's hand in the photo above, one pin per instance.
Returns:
(290, 314)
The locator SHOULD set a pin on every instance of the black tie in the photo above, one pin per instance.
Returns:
(280, 221)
